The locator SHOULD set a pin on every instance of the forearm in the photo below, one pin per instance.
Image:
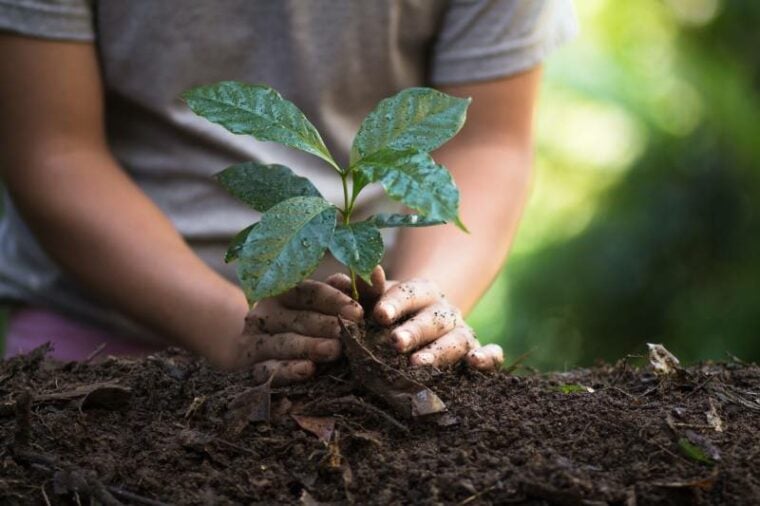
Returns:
(494, 187)
(100, 227)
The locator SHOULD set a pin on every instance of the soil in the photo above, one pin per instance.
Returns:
(169, 429)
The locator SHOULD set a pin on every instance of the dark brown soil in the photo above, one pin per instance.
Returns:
(168, 429)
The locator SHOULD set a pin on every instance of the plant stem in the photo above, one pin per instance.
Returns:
(347, 209)
(354, 288)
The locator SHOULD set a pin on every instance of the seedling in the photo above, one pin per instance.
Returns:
(298, 225)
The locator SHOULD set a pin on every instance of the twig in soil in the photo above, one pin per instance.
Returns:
(730, 394)
(705, 483)
(518, 361)
(617, 389)
(197, 402)
(478, 495)
(94, 353)
(235, 447)
(352, 400)
(44, 495)
(647, 392)
(135, 498)
(699, 387)
(406, 396)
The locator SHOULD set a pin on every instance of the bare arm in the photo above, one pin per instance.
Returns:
(491, 162)
(87, 213)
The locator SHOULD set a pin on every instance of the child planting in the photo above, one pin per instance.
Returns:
(114, 230)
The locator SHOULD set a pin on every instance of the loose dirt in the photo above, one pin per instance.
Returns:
(168, 429)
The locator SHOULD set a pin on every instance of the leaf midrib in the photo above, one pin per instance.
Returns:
(261, 118)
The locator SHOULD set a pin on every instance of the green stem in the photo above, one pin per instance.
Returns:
(348, 207)
(346, 210)
(354, 288)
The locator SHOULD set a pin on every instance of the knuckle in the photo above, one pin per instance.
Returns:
(443, 316)
(293, 346)
(261, 372)
(254, 347)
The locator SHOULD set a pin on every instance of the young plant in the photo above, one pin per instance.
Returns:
(298, 225)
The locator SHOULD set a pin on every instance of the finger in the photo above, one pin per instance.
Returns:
(368, 293)
(405, 298)
(376, 289)
(283, 372)
(447, 350)
(340, 281)
(290, 346)
(323, 298)
(275, 319)
(486, 358)
(425, 327)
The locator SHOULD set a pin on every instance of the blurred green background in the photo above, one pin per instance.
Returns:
(643, 224)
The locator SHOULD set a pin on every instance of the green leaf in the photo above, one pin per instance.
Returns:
(416, 118)
(389, 220)
(573, 388)
(358, 246)
(286, 246)
(694, 452)
(237, 243)
(413, 178)
(259, 111)
(262, 186)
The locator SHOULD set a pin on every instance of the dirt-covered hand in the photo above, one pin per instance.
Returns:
(435, 333)
(286, 336)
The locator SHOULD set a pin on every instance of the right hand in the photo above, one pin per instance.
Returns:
(286, 336)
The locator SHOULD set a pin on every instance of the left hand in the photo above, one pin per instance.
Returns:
(436, 333)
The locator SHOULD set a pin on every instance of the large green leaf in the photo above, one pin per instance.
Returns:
(359, 246)
(259, 111)
(262, 186)
(286, 246)
(415, 118)
(389, 220)
(413, 178)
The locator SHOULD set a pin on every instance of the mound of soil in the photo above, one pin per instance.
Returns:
(168, 429)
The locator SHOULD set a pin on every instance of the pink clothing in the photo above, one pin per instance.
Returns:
(30, 327)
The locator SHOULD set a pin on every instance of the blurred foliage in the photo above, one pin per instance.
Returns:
(643, 225)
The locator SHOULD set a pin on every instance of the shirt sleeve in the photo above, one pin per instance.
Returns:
(487, 39)
(49, 19)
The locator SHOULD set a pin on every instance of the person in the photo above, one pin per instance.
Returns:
(114, 229)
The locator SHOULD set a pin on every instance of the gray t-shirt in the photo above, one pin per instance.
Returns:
(334, 58)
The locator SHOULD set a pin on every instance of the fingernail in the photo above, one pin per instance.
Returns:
(327, 350)
(403, 339)
(389, 310)
(424, 358)
(353, 312)
(303, 369)
(478, 357)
